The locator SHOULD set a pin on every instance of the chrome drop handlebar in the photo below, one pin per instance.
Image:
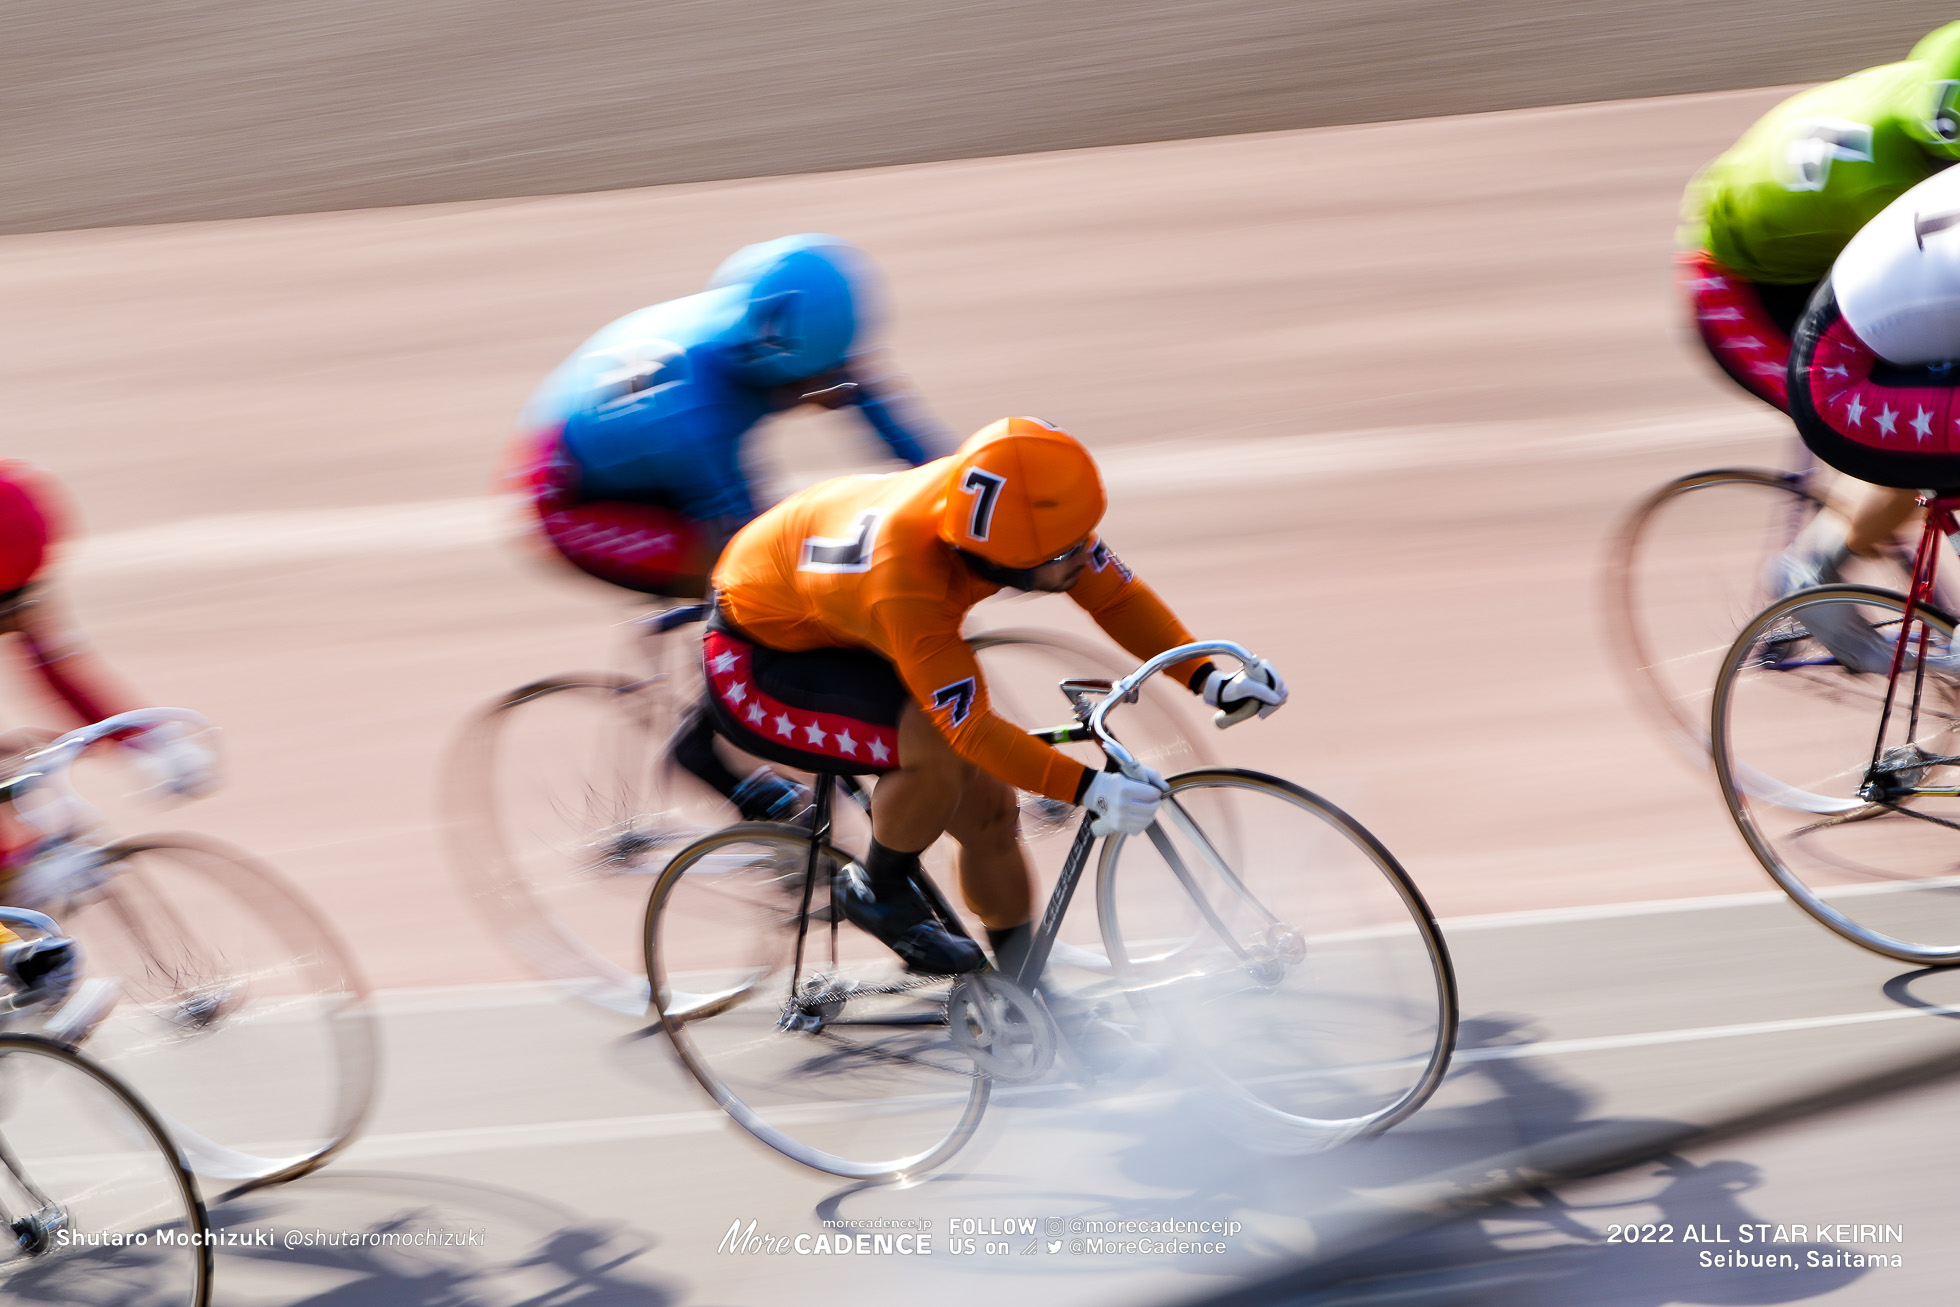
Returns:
(1126, 688)
(54, 807)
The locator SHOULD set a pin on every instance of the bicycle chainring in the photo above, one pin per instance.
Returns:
(1002, 1027)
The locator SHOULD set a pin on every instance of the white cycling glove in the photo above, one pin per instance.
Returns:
(175, 761)
(1122, 806)
(1237, 696)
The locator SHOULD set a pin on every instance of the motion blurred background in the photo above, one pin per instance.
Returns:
(120, 111)
(1372, 389)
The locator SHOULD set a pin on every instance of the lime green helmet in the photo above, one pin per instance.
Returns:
(1933, 117)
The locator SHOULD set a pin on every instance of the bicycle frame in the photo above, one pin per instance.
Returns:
(1940, 521)
(1090, 728)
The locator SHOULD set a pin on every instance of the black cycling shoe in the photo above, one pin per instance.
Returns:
(900, 917)
(765, 796)
(33, 964)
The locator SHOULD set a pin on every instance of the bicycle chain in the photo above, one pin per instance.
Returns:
(841, 996)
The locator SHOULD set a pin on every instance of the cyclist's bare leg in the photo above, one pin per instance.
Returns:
(937, 792)
(996, 878)
(1877, 513)
(1877, 516)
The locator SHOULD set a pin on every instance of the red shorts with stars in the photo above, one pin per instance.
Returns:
(1746, 325)
(1877, 421)
(818, 710)
(646, 547)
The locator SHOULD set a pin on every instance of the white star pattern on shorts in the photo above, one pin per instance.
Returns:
(878, 751)
(814, 733)
(1840, 372)
(722, 662)
(736, 692)
(1712, 283)
(1745, 342)
(1922, 424)
(784, 725)
(756, 714)
(1723, 315)
(845, 742)
(1855, 411)
(1887, 420)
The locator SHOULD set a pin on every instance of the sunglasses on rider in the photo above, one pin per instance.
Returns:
(1070, 554)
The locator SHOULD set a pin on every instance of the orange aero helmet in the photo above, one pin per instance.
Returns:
(1021, 493)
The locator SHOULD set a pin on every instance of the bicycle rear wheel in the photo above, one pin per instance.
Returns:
(852, 1069)
(101, 1209)
(1285, 952)
(1865, 850)
(242, 1017)
(562, 809)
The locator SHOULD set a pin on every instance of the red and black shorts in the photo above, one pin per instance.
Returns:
(649, 547)
(1746, 325)
(818, 710)
(1877, 421)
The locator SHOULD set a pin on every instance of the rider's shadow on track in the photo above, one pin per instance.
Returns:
(1550, 1249)
(1160, 1160)
(383, 1247)
(1900, 989)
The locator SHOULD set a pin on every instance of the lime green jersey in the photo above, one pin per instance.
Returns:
(1781, 203)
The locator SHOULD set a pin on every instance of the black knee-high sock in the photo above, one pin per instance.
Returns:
(694, 749)
(887, 868)
(1010, 948)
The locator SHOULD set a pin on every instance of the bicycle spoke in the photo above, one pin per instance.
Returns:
(849, 1068)
(1311, 1037)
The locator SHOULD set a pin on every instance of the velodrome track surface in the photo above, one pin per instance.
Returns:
(1370, 400)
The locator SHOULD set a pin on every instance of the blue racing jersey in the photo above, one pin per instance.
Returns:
(654, 407)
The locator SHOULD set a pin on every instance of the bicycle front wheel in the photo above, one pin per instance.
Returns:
(845, 1064)
(1686, 571)
(562, 810)
(1852, 825)
(1283, 949)
(1166, 728)
(100, 1209)
(242, 1017)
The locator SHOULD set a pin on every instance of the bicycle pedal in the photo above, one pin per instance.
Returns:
(85, 1009)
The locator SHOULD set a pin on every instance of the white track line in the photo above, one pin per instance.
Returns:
(1603, 1043)
(281, 538)
(551, 1134)
(1651, 907)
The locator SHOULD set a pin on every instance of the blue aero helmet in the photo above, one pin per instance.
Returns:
(809, 297)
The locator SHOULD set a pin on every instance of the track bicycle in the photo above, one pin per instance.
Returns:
(1835, 723)
(1256, 929)
(1689, 565)
(211, 984)
(561, 805)
(96, 1204)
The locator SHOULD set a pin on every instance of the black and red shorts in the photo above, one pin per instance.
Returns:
(1877, 421)
(650, 547)
(818, 710)
(1746, 325)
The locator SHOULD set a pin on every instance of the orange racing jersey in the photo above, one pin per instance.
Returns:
(858, 563)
